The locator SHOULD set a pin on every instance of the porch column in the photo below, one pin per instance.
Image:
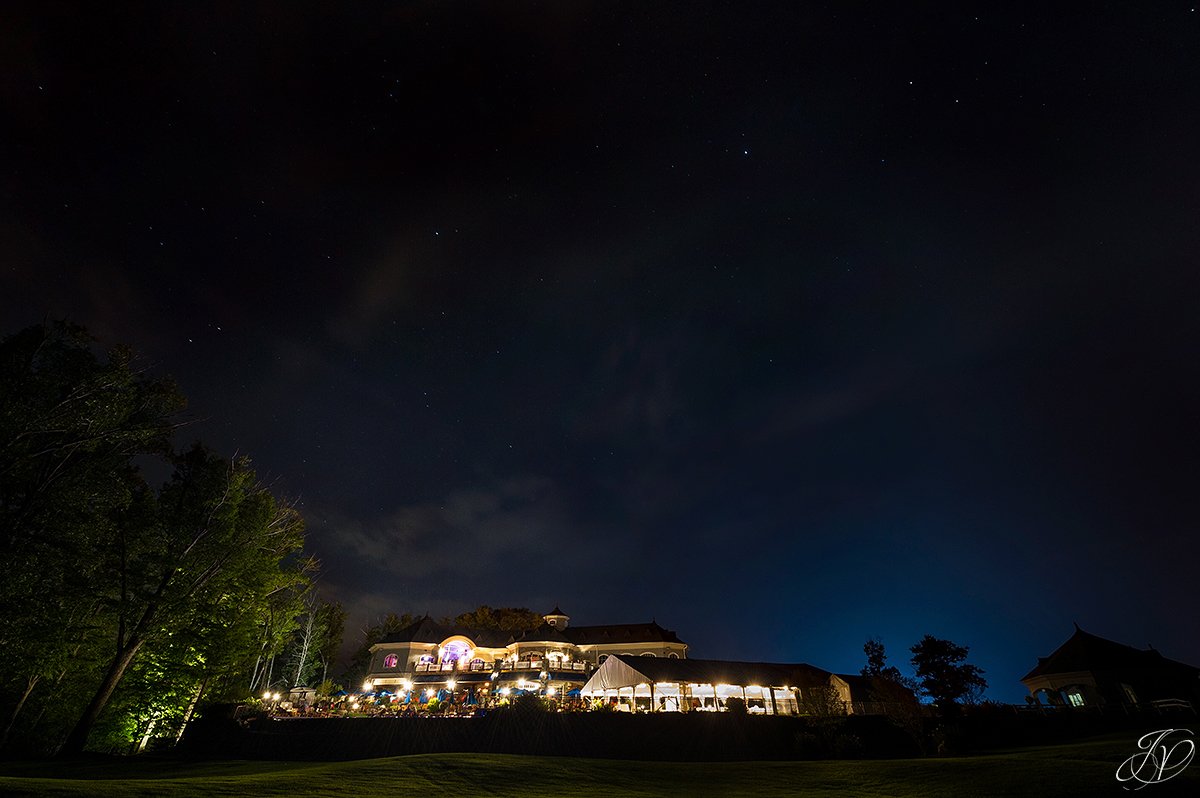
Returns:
(716, 700)
(774, 708)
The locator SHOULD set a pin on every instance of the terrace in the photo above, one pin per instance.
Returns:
(505, 666)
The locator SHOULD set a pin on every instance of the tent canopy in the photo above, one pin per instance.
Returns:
(623, 671)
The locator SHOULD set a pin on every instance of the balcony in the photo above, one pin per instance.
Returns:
(550, 666)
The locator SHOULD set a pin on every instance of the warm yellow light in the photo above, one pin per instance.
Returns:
(550, 691)
(367, 685)
(451, 684)
(405, 684)
(276, 696)
(504, 691)
(267, 696)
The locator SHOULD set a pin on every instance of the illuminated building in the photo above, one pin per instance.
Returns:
(427, 657)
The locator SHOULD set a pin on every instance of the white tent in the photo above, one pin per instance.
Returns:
(680, 684)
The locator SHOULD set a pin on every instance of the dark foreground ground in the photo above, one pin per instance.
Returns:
(1078, 769)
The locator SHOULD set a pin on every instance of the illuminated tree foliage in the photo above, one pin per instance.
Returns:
(123, 606)
(314, 645)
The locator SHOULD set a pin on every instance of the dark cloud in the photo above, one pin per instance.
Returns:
(786, 326)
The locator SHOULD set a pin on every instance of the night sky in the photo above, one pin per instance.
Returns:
(786, 325)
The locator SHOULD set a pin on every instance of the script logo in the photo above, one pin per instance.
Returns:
(1160, 759)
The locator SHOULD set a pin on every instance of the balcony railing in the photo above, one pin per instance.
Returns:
(550, 666)
(546, 665)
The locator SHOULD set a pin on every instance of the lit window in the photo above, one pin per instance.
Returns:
(1076, 698)
(390, 661)
(455, 651)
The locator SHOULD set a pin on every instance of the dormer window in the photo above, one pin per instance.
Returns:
(554, 622)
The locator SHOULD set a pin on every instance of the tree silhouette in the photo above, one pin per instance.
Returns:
(943, 675)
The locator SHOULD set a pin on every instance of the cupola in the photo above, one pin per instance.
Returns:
(557, 618)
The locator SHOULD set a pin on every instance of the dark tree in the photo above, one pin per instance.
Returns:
(360, 660)
(943, 675)
(334, 623)
(877, 662)
(502, 619)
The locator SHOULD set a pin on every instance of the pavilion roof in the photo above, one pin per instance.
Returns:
(1084, 651)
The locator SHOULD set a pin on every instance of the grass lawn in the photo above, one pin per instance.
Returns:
(1081, 769)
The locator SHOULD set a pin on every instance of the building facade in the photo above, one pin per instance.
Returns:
(1088, 671)
(427, 659)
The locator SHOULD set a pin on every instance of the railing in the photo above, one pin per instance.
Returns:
(1172, 703)
(522, 665)
(545, 665)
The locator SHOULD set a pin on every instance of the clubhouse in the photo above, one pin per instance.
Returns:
(635, 667)
(472, 665)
